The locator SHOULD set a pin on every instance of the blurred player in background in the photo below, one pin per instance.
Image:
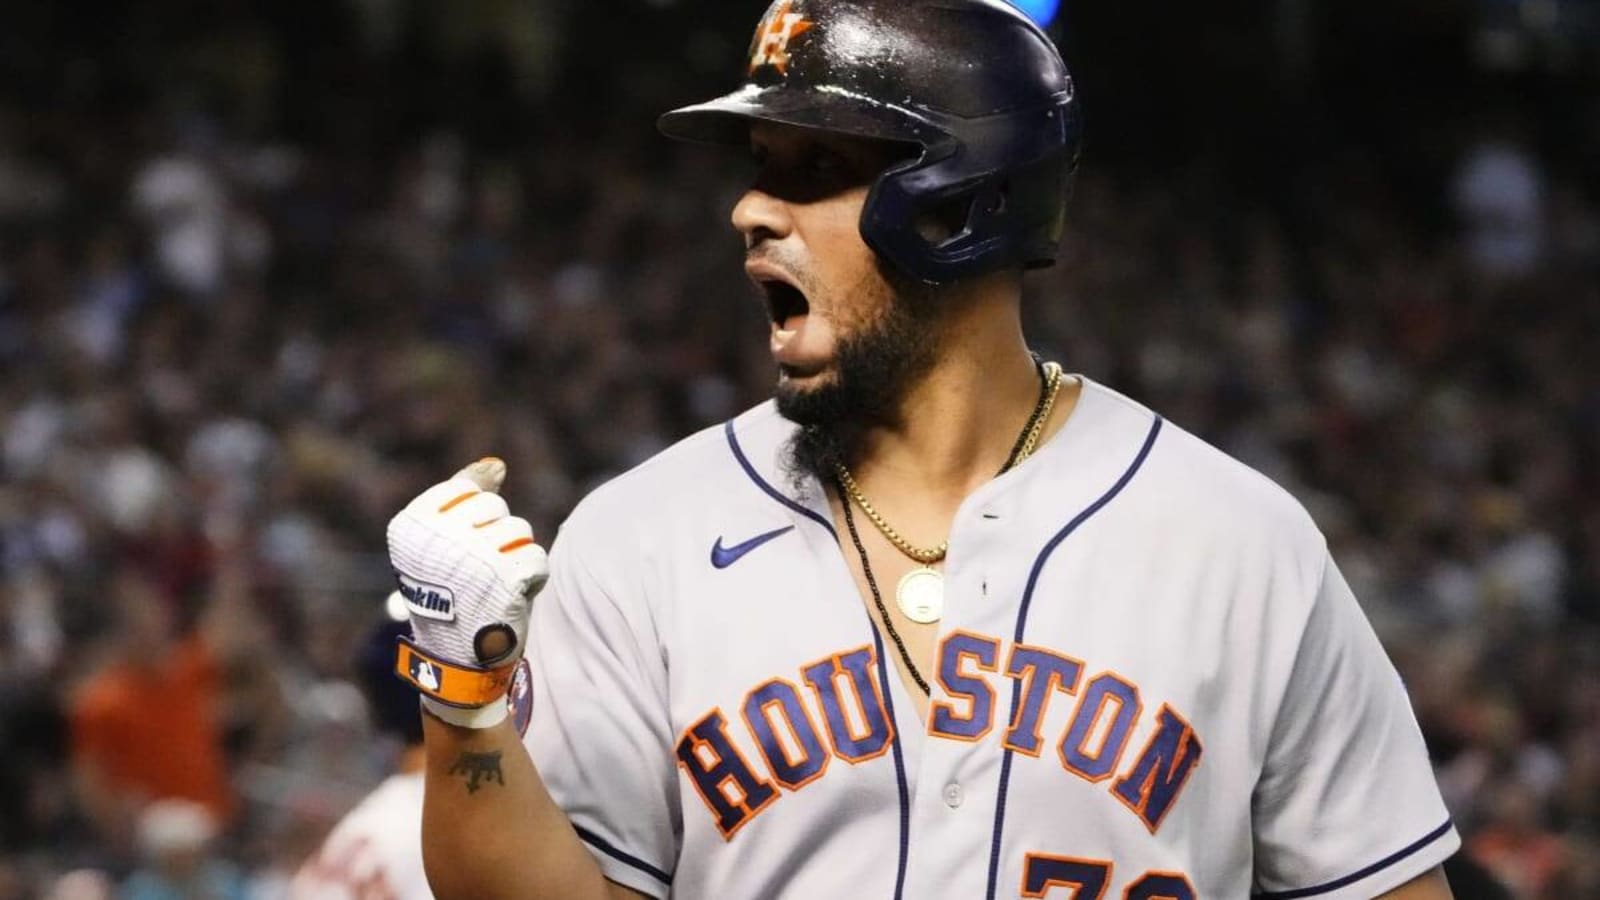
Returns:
(375, 852)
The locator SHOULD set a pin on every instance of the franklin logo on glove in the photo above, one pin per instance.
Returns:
(427, 600)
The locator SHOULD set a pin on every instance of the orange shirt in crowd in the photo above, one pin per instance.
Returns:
(152, 728)
(1527, 864)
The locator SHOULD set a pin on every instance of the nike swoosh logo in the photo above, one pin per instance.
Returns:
(723, 557)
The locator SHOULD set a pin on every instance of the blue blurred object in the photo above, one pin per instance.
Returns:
(394, 703)
(1043, 12)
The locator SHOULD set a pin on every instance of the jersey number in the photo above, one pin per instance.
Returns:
(1087, 880)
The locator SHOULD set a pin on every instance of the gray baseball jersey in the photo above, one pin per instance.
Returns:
(1151, 682)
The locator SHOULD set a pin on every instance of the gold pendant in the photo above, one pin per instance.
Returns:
(920, 595)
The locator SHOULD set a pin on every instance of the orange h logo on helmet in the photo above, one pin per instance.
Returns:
(773, 36)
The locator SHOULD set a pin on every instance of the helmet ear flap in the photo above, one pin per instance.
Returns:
(961, 221)
(989, 204)
(954, 218)
(946, 220)
(990, 196)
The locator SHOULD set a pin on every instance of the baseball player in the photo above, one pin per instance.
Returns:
(939, 621)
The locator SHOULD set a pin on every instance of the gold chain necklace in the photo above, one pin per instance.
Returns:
(921, 555)
(920, 592)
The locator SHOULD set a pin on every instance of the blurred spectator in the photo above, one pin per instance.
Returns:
(1500, 195)
(175, 842)
(82, 884)
(186, 205)
(12, 885)
(144, 726)
(1517, 847)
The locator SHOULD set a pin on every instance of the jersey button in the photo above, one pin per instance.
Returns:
(952, 795)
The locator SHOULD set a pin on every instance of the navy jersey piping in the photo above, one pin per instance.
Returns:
(600, 843)
(877, 642)
(899, 767)
(774, 493)
(1022, 624)
(1354, 877)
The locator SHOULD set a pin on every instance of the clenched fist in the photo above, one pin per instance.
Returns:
(468, 570)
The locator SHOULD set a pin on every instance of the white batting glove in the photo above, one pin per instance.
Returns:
(468, 570)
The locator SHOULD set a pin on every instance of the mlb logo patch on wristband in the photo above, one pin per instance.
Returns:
(425, 674)
(454, 685)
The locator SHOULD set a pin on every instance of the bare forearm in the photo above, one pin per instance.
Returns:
(489, 826)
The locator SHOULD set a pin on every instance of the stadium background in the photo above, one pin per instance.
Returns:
(267, 269)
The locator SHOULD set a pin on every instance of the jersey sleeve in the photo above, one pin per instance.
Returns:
(1346, 805)
(599, 731)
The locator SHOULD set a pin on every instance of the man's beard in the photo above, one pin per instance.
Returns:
(873, 369)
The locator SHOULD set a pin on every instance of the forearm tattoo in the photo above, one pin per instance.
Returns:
(478, 769)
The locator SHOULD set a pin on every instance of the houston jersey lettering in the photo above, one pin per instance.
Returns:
(1151, 682)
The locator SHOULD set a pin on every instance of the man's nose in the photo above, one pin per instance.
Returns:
(760, 216)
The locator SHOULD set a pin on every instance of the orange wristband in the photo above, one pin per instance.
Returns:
(448, 683)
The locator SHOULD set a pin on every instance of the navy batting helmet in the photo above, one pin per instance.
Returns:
(973, 83)
(394, 703)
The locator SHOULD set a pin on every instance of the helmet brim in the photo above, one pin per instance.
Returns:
(726, 120)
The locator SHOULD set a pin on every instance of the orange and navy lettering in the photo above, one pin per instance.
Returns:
(1042, 672)
(794, 733)
(850, 743)
(1160, 886)
(956, 651)
(721, 775)
(810, 758)
(1155, 781)
(1104, 690)
(776, 717)
(1087, 879)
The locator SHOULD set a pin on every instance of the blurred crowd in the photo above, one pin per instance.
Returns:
(228, 358)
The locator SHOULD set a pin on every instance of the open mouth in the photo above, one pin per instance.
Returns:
(786, 304)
